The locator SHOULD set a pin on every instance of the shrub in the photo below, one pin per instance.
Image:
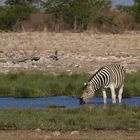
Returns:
(36, 22)
(10, 15)
(72, 13)
(124, 9)
(42, 22)
(114, 21)
(136, 10)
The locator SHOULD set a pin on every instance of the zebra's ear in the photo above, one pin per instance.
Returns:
(85, 84)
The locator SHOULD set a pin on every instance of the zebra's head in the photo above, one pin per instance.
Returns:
(88, 93)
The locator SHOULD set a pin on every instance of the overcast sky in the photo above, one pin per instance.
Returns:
(115, 2)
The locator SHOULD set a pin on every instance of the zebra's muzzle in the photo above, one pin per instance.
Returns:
(82, 101)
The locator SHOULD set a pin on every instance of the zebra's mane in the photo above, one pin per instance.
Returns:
(85, 86)
(101, 69)
(95, 74)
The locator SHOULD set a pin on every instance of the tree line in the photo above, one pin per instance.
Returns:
(73, 15)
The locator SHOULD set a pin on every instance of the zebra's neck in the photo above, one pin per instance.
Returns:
(95, 82)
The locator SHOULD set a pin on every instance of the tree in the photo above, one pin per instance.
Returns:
(77, 13)
(136, 10)
(123, 8)
(14, 2)
(10, 15)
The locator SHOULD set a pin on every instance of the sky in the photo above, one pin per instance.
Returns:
(123, 2)
(115, 2)
(2, 2)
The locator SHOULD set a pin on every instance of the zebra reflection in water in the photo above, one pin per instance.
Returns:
(110, 76)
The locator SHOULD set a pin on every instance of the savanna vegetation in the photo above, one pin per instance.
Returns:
(61, 15)
(83, 118)
(37, 84)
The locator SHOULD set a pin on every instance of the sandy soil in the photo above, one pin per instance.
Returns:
(83, 135)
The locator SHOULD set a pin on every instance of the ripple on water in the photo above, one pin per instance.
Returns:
(62, 101)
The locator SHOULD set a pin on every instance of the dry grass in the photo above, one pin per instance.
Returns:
(75, 42)
(83, 135)
(78, 52)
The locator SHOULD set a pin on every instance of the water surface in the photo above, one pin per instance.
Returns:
(58, 101)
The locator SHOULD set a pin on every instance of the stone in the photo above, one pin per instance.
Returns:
(49, 66)
(37, 129)
(47, 137)
(77, 65)
(57, 133)
(75, 132)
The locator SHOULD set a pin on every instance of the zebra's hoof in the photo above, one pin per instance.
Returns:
(82, 101)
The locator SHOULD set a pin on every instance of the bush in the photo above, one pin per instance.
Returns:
(11, 15)
(136, 10)
(114, 21)
(14, 2)
(42, 22)
(132, 10)
(124, 9)
(72, 13)
(60, 15)
(36, 22)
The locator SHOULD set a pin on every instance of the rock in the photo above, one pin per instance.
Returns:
(19, 60)
(35, 58)
(47, 137)
(54, 57)
(3, 60)
(77, 65)
(1, 51)
(37, 129)
(49, 66)
(57, 133)
(33, 63)
(68, 70)
(75, 133)
(66, 61)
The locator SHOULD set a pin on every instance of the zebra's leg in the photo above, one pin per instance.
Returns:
(120, 93)
(113, 94)
(104, 96)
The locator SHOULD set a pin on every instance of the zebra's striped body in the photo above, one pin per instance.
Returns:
(110, 76)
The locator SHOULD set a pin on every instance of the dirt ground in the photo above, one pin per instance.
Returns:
(77, 52)
(75, 42)
(82, 135)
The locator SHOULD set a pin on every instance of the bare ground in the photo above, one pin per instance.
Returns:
(77, 52)
(83, 135)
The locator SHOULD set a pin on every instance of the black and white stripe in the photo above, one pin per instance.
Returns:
(110, 76)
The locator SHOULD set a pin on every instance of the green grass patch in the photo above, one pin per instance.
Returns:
(132, 84)
(84, 118)
(37, 84)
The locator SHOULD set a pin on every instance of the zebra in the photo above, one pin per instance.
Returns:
(110, 76)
